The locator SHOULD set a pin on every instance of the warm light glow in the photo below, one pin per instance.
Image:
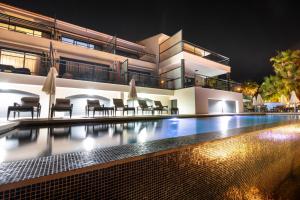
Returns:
(224, 122)
(162, 81)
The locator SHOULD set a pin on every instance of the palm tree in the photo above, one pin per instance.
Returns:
(287, 66)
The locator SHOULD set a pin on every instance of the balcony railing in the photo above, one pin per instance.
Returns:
(193, 49)
(212, 82)
(39, 65)
(51, 31)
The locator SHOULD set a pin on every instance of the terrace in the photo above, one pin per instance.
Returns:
(38, 65)
(86, 38)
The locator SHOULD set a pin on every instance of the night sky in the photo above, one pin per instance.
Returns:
(248, 32)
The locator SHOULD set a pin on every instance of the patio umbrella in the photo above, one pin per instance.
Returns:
(49, 86)
(254, 102)
(259, 100)
(132, 91)
(294, 99)
(283, 100)
(132, 95)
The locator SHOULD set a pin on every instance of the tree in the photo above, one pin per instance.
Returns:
(249, 88)
(272, 88)
(286, 66)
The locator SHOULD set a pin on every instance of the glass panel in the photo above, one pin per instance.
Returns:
(24, 30)
(91, 46)
(3, 26)
(11, 27)
(82, 44)
(32, 63)
(37, 34)
(12, 58)
(67, 40)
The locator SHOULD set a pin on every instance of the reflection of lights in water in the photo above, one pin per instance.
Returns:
(88, 144)
(2, 149)
(174, 119)
(224, 122)
(142, 136)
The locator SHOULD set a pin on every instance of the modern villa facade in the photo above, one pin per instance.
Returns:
(95, 65)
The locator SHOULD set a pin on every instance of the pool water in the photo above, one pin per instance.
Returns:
(28, 143)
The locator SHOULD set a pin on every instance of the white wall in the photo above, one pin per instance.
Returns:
(185, 100)
(203, 94)
(66, 88)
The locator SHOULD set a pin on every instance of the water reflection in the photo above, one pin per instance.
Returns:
(27, 143)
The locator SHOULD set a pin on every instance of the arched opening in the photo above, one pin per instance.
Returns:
(9, 97)
(79, 102)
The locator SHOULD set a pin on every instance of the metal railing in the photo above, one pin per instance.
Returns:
(193, 49)
(212, 82)
(51, 31)
(39, 65)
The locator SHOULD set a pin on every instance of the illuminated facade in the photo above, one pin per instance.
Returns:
(92, 63)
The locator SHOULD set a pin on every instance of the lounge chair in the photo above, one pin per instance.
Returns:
(62, 105)
(119, 106)
(28, 104)
(144, 107)
(93, 105)
(160, 108)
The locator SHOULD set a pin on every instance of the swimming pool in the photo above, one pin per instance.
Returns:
(33, 142)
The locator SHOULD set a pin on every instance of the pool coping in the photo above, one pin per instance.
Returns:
(21, 173)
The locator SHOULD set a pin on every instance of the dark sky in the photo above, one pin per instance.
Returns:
(248, 32)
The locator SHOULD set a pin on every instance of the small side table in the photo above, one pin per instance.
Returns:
(174, 111)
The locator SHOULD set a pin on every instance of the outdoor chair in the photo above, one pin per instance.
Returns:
(119, 106)
(28, 104)
(144, 107)
(62, 105)
(160, 108)
(93, 105)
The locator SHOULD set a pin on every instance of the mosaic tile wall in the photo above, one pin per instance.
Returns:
(249, 166)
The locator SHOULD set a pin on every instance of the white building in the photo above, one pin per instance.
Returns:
(96, 65)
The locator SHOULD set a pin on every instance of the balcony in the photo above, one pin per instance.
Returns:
(86, 39)
(184, 46)
(39, 66)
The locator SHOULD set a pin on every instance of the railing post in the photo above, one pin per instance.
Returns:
(228, 81)
(182, 73)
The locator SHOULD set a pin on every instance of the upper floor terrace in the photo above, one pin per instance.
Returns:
(18, 20)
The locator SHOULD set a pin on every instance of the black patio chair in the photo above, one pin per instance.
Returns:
(119, 106)
(62, 105)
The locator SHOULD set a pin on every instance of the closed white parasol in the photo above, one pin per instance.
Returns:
(132, 91)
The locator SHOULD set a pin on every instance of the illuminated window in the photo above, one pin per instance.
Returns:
(77, 43)
(20, 60)
(3, 26)
(21, 30)
(67, 40)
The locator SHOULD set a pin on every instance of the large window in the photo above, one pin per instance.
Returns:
(77, 42)
(20, 60)
(21, 30)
